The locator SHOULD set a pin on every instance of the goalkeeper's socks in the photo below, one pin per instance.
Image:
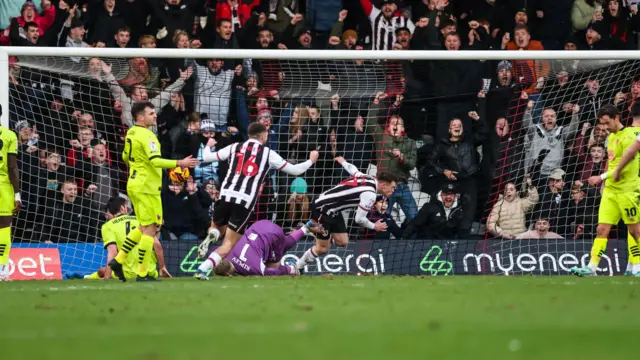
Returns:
(211, 262)
(5, 245)
(133, 238)
(597, 250)
(144, 255)
(308, 258)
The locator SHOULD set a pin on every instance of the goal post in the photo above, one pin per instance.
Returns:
(70, 115)
(4, 90)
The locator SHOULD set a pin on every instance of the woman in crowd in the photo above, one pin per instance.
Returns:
(507, 218)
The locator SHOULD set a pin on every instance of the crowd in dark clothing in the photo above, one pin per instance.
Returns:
(455, 133)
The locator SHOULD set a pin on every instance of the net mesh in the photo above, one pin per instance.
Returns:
(537, 124)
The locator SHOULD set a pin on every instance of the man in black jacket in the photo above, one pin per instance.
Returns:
(441, 218)
(456, 160)
(100, 179)
(69, 219)
(185, 215)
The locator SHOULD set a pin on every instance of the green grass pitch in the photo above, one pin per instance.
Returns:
(338, 317)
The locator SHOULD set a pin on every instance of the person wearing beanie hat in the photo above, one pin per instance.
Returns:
(521, 17)
(571, 43)
(207, 125)
(28, 5)
(403, 36)
(299, 186)
(21, 125)
(504, 65)
(298, 203)
(596, 37)
(264, 114)
(73, 36)
(504, 73)
(304, 40)
(349, 39)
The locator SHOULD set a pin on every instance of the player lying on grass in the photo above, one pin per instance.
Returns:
(620, 194)
(114, 234)
(259, 251)
(359, 191)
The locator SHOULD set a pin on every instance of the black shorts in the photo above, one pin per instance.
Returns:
(331, 224)
(233, 216)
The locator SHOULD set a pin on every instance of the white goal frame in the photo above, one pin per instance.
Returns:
(6, 52)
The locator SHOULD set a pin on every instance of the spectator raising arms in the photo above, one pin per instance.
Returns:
(139, 93)
(456, 160)
(384, 23)
(213, 89)
(507, 219)
(545, 140)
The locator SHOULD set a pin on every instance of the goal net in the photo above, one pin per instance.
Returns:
(488, 152)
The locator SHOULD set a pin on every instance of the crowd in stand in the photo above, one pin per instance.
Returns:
(506, 143)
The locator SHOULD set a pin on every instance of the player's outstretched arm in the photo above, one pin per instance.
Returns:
(281, 270)
(152, 152)
(209, 156)
(277, 162)
(351, 169)
(159, 162)
(628, 155)
(291, 239)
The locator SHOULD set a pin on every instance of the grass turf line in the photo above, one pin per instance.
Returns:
(335, 317)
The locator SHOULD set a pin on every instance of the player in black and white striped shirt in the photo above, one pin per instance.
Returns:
(359, 191)
(249, 164)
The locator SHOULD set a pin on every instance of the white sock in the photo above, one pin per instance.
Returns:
(215, 231)
(211, 262)
(309, 257)
(635, 268)
(2, 267)
(593, 268)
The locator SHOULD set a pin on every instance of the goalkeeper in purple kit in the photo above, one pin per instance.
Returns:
(259, 251)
